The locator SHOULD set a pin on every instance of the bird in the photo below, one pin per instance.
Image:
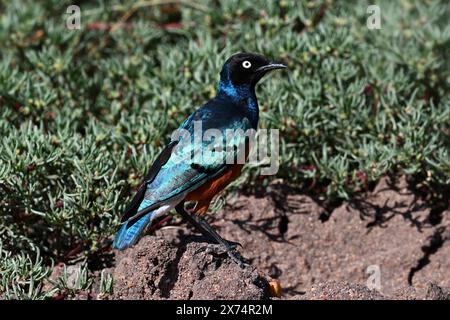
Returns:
(177, 177)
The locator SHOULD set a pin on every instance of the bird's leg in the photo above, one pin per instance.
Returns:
(201, 225)
(207, 231)
(159, 224)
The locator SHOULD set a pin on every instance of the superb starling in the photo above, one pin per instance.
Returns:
(171, 182)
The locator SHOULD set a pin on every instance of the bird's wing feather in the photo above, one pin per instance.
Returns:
(161, 160)
(175, 177)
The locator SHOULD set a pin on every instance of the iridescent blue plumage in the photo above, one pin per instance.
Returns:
(127, 236)
(234, 107)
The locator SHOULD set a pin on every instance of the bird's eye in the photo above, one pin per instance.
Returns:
(246, 64)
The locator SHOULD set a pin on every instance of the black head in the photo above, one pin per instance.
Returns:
(247, 68)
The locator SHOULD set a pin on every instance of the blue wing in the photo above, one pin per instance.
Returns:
(171, 179)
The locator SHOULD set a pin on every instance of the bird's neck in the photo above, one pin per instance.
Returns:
(243, 95)
(236, 93)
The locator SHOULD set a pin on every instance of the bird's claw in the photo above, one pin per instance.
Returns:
(218, 249)
(234, 245)
(237, 258)
(212, 249)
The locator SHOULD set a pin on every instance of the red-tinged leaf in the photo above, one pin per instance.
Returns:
(171, 25)
(59, 204)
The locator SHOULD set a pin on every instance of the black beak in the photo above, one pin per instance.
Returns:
(261, 71)
(270, 66)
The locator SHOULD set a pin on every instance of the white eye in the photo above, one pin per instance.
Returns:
(246, 64)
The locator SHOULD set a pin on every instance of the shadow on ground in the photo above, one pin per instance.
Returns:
(391, 230)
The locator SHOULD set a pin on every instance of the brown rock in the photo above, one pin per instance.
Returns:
(340, 291)
(155, 269)
(388, 229)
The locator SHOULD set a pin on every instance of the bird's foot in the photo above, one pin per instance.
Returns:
(230, 250)
(237, 258)
(233, 244)
(213, 248)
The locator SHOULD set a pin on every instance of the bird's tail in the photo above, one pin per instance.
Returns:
(128, 235)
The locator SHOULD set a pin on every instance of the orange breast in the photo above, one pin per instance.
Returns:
(205, 193)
